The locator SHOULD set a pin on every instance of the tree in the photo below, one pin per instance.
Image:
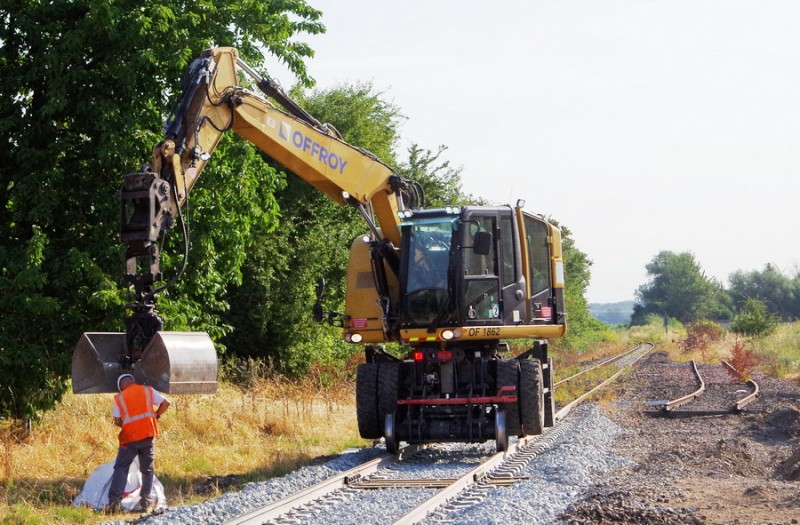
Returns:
(754, 320)
(582, 328)
(83, 101)
(678, 288)
(440, 182)
(770, 286)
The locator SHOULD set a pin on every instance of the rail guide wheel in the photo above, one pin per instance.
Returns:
(500, 431)
(389, 434)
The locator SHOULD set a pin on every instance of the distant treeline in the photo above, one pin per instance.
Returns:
(678, 288)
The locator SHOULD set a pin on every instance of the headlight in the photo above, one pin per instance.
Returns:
(356, 338)
(447, 334)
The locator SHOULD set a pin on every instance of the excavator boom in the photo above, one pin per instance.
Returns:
(212, 102)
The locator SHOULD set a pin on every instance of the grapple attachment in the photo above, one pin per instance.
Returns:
(173, 363)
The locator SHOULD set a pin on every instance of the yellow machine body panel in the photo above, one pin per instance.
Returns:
(363, 314)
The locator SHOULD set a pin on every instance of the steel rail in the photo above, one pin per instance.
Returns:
(740, 404)
(418, 513)
(572, 404)
(669, 405)
(280, 507)
(606, 362)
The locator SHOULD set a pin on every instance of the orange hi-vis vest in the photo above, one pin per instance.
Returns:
(135, 405)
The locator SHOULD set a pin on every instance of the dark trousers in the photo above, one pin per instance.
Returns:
(145, 449)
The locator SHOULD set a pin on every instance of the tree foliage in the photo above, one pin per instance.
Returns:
(582, 328)
(754, 320)
(779, 293)
(440, 181)
(85, 91)
(678, 288)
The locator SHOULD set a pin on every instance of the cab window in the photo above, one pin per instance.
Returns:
(539, 254)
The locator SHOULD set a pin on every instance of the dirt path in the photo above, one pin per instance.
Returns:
(704, 469)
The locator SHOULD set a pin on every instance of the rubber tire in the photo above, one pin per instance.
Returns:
(508, 375)
(370, 425)
(531, 398)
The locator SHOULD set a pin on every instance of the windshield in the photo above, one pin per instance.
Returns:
(428, 261)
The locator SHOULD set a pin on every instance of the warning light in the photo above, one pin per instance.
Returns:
(419, 356)
(445, 356)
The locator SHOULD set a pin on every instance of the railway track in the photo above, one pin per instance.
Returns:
(439, 474)
(727, 396)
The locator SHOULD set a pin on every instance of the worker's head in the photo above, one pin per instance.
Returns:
(124, 381)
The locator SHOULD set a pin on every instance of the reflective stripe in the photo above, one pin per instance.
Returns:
(123, 408)
(148, 395)
(137, 418)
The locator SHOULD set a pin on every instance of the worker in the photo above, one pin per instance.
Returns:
(133, 411)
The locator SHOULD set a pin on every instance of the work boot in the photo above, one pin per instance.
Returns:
(143, 506)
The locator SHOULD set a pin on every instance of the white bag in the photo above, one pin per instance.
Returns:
(95, 490)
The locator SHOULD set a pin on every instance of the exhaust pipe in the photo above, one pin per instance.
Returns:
(172, 363)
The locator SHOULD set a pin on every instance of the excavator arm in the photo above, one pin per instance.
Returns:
(213, 102)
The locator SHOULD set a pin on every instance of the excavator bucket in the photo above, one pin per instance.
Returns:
(173, 363)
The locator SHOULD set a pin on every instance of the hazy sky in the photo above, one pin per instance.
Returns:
(640, 125)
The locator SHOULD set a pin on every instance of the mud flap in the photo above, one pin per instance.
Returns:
(173, 363)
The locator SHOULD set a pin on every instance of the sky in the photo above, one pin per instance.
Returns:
(640, 125)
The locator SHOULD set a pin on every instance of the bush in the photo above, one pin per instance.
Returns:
(755, 320)
(700, 335)
(743, 361)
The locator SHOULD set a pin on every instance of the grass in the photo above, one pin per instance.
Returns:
(266, 430)
(777, 355)
(780, 352)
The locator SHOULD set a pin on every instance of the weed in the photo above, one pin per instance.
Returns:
(743, 360)
(700, 335)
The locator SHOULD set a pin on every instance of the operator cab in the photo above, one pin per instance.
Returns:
(464, 267)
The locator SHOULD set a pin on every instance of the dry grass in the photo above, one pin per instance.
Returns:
(777, 354)
(271, 428)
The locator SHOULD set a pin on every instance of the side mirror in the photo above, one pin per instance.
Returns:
(483, 243)
(320, 287)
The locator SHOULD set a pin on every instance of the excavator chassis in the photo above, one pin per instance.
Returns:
(455, 395)
(172, 362)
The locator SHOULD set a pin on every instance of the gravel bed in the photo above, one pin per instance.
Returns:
(556, 477)
(722, 469)
(254, 495)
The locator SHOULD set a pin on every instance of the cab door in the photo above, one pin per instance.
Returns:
(480, 284)
(544, 272)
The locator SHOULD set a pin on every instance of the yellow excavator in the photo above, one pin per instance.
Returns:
(450, 285)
